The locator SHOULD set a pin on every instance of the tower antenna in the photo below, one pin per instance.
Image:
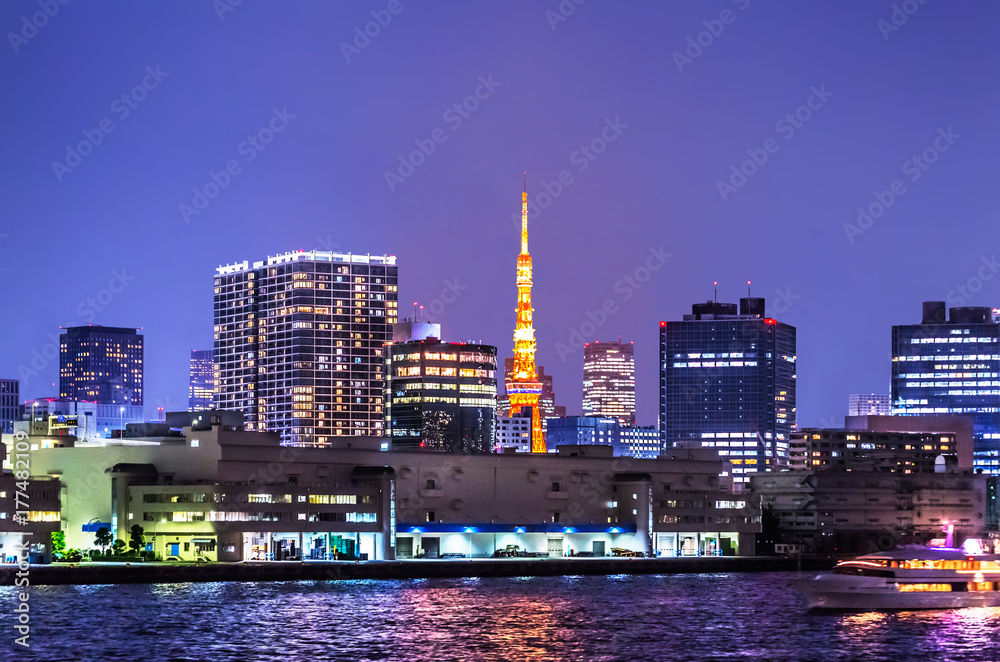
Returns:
(748, 289)
(715, 284)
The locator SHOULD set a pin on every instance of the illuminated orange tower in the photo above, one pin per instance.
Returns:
(524, 389)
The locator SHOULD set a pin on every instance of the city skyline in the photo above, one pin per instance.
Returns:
(641, 187)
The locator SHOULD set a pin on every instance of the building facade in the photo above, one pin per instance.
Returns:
(10, 404)
(219, 493)
(609, 380)
(89, 421)
(820, 449)
(859, 512)
(201, 384)
(951, 365)
(441, 396)
(514, 433)
(727, 381)
(625, 440)
(101, 364)
(869, 404)
(299, 341)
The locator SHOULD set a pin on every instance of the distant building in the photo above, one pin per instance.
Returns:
(87, 421)
(101, 364)
(727, 381)
(441, 396)
(10, 404)
(609, 380)
(624, 440)
(818, 449)
(959, 426)
(546, 401)
(869, 404)
(584, 431)
(951, 365)
(514, 433)
(201, 388)
(409, 329)
(299, 343)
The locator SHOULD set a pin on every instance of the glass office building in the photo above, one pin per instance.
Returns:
(609, 380)
(201, 385)
(101, 364)
(299, 343)
(727, 381)
(950, 365)
(441, 396)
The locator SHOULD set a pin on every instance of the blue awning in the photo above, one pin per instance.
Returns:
(554, 527)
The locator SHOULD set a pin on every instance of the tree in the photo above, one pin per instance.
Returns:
(119, 547)
(58, 542)
(136, 539)
(103, 538)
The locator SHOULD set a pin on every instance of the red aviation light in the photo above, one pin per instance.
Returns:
(663, 323)
(768, 320)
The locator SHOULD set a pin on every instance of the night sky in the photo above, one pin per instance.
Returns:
(661, 121)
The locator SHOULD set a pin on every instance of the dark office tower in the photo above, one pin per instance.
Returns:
(201, 387)
(727, 381)
(101, 364)
(441, 396)
(10, 404)
(609, 381)
(299, 341)
(950, 365)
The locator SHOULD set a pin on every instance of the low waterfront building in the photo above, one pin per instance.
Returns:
(857, 512)
(29, 508)
(215, 491)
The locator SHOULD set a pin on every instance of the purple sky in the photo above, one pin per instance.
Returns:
(321, 182)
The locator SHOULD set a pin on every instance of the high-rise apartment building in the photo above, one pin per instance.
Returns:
(869, 404)
(727, 381)
(299, 343)
(10, 404)
(201, 386)
(950, 365)
(609, 380)
(441, 396)
(101, 364)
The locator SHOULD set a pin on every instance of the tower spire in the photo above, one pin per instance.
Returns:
(523, 388)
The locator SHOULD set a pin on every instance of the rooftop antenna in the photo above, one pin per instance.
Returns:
(414, 311)
(748, 289)
(715, 284)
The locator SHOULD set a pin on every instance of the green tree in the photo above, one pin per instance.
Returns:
(58, 542)
(119, 547)
(136, 540)
(103, 538)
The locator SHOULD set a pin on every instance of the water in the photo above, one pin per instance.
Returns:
(623, 617)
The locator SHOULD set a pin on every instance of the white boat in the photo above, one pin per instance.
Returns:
(910, 577)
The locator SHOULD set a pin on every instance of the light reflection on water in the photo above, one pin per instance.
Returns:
(623, 617)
